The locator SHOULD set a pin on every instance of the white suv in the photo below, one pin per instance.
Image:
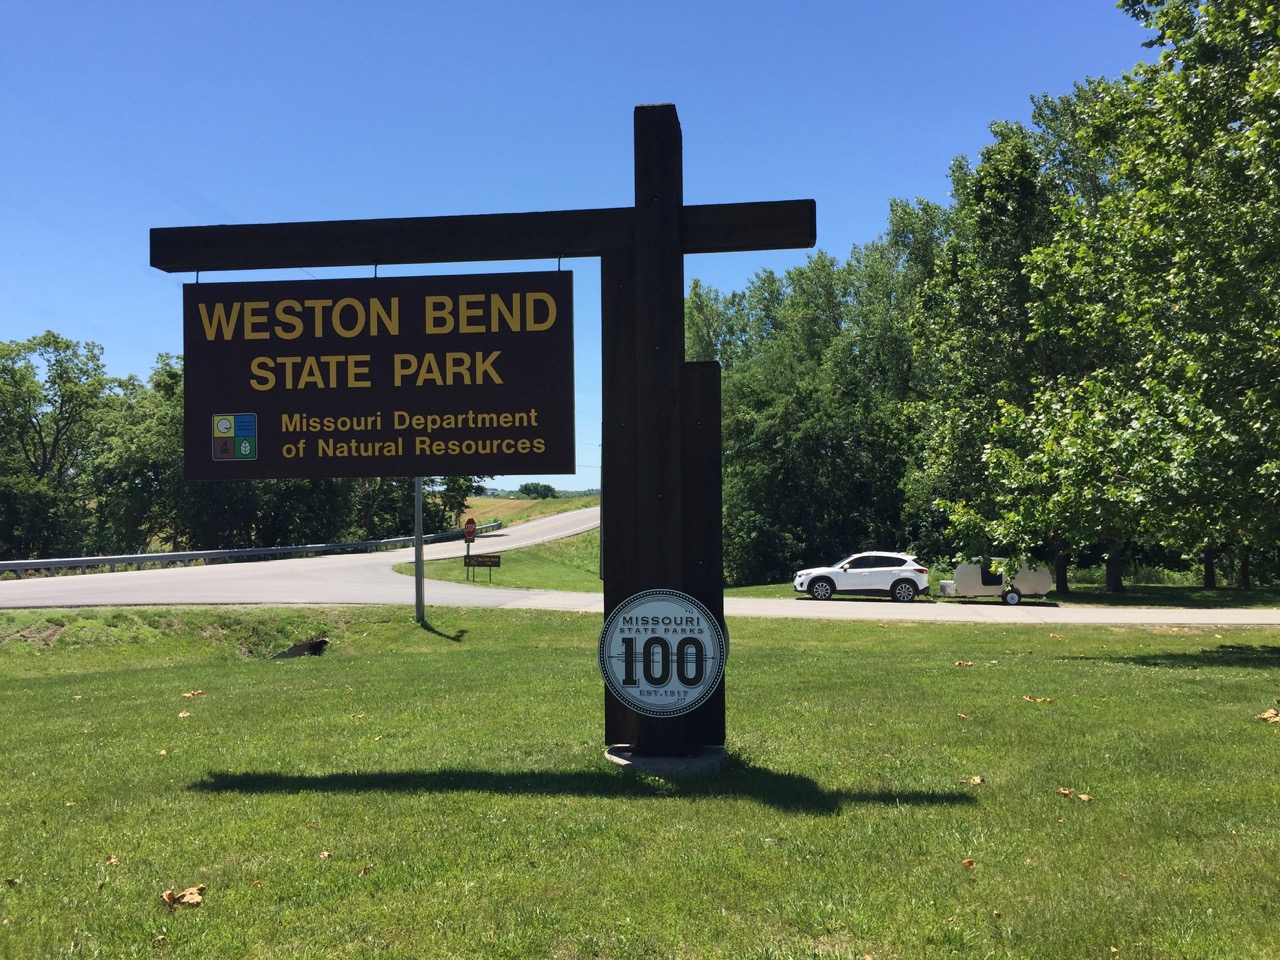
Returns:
(897, 575)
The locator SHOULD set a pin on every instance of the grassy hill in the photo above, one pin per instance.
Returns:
(513, 510)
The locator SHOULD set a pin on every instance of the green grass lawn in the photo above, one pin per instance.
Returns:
(892, 790)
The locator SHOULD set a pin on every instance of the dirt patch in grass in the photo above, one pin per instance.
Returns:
(38, 634)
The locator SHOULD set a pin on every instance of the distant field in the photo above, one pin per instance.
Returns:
(489, 509)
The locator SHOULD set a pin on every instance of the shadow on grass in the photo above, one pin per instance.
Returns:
(1223, 655)
(454, 637)
(787, 792)
(1163, 595)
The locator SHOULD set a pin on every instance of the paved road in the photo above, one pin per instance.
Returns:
(369, 578)
(342, 579)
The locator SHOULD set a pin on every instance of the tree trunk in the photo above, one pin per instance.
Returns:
(1210, 570)
(1061, 561)
(1115, 572)
(1246, 581)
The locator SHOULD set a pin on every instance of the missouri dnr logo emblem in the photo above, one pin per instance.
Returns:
(235, 436)
(662, 653)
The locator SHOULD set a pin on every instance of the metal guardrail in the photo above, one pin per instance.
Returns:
(139, 560)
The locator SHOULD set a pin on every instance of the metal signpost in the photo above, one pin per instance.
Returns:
(661, 505)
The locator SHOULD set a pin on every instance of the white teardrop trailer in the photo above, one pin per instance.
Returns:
(983, 578)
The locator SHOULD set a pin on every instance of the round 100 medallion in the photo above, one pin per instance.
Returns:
(662, 653)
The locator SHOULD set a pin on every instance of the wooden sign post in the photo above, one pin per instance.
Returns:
(661, 503)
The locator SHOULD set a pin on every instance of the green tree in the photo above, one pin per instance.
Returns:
(54, 395)
(815, 441)
(137, 474)
(1173, 276)
(976, 328)
(537, 491)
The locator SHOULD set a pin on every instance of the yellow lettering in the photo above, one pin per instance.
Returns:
(288, 324)
(469, 306)
(219, 321)
(348, 332)
(263, 378)
(485, 365)
(378, 311)
(510, 316)
(254, 317)
(288, 363)
(358, 370)
(439, 314)
(318, 307)
(405, 364)
(460, 364)
(530, 301)
(429, 371)
(310, 374)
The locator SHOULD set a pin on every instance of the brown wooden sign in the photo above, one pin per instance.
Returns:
(482, 560)
(403, 376)
(661, 509)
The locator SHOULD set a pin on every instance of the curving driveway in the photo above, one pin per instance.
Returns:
(369, 578)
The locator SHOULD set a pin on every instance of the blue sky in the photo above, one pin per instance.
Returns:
(119, 117)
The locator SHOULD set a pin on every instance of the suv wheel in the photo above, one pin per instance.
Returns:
(904, 591)
(821, 589)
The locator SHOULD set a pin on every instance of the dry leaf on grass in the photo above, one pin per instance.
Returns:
(1271, 716)
(194, 693)
(325, 854)
(964, 716)
(364, 871)
(112, 859)
(972, 781)
(1065, 792)
(184, 714)
(13, 881)
(964, 663)
(967, 864)
(1085, 797)
(1037, 699)
(190, 897)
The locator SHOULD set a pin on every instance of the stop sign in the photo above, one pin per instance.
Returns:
(469, 529)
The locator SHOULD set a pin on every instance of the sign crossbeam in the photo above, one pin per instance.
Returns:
(708, 228)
